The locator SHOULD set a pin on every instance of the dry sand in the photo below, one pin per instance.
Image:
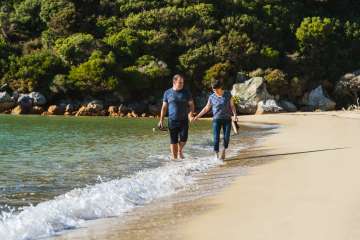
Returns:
(310, 191)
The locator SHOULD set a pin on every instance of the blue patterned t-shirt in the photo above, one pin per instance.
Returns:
(221, 107)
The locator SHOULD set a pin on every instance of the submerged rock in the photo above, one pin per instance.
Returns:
(248, 94)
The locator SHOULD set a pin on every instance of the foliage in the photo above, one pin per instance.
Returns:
(33, 72)
(87, 47)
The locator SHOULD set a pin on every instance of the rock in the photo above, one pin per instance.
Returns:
(69, 108)
(155, 109)
(248, 94)
(37, 110)
(288, 106)
(55, 110)
(318, 99)
(17, 111)
(144, 115)
(25, 101)
(82, 111)
(138, 107)
(94, 108)
(123, 109)
(268, 106)
(38, 98)
(113, 111)
(134, 115)
(6, 102)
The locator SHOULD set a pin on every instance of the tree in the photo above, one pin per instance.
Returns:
(76, 48)
(318, 40)
(95, 76)
(33, 72)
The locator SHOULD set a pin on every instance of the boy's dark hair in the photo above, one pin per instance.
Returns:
(178, 76)
(216, 84)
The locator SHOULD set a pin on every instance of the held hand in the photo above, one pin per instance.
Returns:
(235, 118)
(161, 124)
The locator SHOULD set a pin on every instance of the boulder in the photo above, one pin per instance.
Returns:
(6, 102)
(25, 101)
(38, 98)
(55, 110)
(138, 107)
(17, 110)
(37, 110)
(113, 111)
(123, 109)
(248, 94)
(287, 106)
(318, 99)
(94, 108)
(268, 106)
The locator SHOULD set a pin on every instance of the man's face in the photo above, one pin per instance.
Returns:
(178, 83)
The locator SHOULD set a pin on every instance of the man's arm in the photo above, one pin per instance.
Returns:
(162, 114)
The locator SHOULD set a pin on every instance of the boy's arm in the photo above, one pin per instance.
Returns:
(233, 109)
(204, 110)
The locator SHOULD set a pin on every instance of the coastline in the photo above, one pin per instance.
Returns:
(159, 218)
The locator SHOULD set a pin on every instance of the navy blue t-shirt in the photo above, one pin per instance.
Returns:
(178, 103)
(221, 107)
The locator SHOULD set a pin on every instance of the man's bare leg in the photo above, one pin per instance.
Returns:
(174, 151)
(181, 147)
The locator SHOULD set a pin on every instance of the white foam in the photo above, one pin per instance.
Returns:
(105, 199)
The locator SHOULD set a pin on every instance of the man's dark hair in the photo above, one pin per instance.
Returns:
(216, 84)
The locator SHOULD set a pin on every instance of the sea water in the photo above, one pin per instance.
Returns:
(58, 172)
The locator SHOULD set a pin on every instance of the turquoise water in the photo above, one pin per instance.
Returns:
(56, 172)
(44, 157)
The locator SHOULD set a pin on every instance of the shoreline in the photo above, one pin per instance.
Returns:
(154, 220)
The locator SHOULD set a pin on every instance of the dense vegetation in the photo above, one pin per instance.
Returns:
(130, 48)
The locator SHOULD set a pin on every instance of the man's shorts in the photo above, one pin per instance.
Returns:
(178, 131)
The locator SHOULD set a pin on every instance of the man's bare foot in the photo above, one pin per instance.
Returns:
(217, 155)
(181, 155)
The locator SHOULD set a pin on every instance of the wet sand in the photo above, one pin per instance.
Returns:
(310, 191)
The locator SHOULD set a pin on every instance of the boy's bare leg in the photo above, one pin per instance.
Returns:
(181, 147)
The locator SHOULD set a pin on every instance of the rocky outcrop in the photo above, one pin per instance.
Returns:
(6, 102)
(317, 99)
(94, 108)
(248, 94)
(268, 106)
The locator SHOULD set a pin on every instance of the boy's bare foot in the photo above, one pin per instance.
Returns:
(222, 157)
(181, 155)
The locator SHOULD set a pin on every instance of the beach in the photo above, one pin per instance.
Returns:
(309, 188)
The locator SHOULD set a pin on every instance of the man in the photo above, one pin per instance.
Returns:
(180, 104)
